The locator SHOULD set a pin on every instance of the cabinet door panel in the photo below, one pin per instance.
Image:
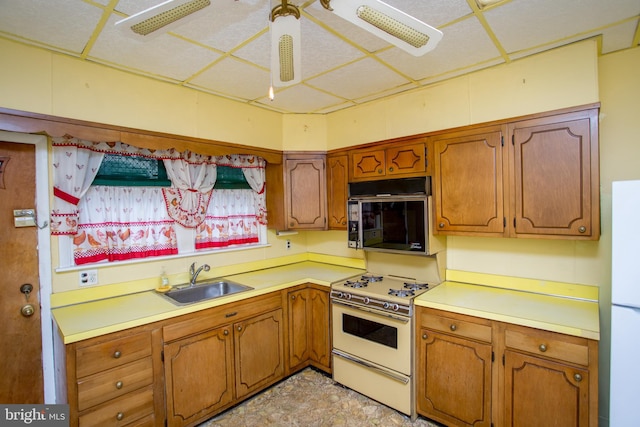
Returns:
(406, 159)
(552, 169)
(368, 164)
(259, 346)
(454, 379)
(469, 184)
(299, 333)
(337, 191)
(540, 392)
(306, 195)
(198, 375)
(320, 349)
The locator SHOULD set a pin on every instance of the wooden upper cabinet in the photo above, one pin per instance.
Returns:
(468, 182)
(337, 191)
(537, 178)
(399, 159)
(555, 175)
(305, 192)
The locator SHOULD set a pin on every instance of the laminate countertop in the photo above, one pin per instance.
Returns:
(560, 310)
(94, 318)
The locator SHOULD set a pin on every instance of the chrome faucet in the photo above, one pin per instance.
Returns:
(194, 273)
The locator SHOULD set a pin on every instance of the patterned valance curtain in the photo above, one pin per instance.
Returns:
(192, 179)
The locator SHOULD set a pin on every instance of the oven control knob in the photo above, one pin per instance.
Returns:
(386, 305)
(347, 296)
(395, 307)
(366, 300)
(339, 294)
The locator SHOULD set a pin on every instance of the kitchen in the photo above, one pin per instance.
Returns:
(578, 76)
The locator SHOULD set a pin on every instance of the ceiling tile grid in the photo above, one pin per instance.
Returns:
(225, 49)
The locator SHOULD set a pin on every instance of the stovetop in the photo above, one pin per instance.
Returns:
(389, 293)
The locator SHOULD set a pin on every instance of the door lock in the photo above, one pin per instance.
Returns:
(26, 290)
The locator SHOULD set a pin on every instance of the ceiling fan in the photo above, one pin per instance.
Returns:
(380, 19)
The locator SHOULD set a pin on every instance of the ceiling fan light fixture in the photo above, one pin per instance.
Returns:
(162, 16)
(390, 24)
(286, 48)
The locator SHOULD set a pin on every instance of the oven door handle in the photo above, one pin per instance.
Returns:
(368, 365)
(373, 311)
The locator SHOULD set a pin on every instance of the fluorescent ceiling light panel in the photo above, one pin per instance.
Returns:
(388, 23)
(164, 16)
(286, 50)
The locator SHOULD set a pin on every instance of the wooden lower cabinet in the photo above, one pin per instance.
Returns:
(218, 357)
(309, 329)
(476, 372)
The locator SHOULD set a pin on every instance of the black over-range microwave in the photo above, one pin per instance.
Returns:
(390, 215)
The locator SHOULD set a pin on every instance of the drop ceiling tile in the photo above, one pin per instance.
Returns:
(224, 78)
(164, 55)
(463, 45)
(523, 24)
(359, 79)
(433, 12)
(301, 99)
(620, 36)
(67, 26)
(257, 51)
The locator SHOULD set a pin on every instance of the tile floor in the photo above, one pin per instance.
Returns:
(312, 399)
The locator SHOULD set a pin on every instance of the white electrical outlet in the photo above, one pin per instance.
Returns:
(88, 277)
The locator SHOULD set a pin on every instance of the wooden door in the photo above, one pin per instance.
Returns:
(337, 191)
(553, 178)
(198, 376)
(21, 380)
(540, 392)
(299, 333)
(259, 352)
(468, 183)
(306, 183)
(454, 379)
(319, 324)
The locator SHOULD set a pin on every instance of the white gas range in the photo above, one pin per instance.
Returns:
(373, 331)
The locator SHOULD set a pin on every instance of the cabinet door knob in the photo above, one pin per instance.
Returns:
(226, 332)
(239, 328)
(577, 377)
(119, 385)
(117, 354)
(582, 229)
(441, 225)
(390, 169)
(542, 348)
(120, 416)
(293, 297)
(380, 171)
(453, 327)
(424, 336)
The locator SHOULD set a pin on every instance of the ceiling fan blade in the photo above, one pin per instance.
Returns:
(390, 24)
(162, 17)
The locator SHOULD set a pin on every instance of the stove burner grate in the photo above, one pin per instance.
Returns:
(356, 283)
(416, 286)
(401, 292)
(371, 278)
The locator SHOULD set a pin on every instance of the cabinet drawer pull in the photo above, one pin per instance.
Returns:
(117, 354)
(542, 348)
(231, 314)
(120, 416)
(119, 385)
(577, 377)
(453, 327)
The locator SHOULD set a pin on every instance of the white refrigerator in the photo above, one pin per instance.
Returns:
(625, 309)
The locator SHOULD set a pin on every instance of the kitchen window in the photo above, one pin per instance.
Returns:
(117, 202)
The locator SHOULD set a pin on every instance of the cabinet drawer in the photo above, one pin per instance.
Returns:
(113, 383)
(113, 353)
(455, 326)
(219, 316)
(122, 411)
(548, 344)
